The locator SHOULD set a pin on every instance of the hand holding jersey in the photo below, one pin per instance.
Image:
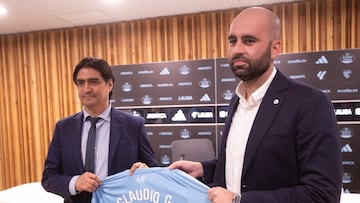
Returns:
(157, 185)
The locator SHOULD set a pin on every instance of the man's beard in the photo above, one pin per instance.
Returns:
(256, 67)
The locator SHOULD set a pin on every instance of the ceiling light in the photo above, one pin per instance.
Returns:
(2, 10)
(112, 1)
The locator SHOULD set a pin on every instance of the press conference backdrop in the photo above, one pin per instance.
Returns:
(189, 99)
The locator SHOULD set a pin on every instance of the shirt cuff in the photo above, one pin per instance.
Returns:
(72, 188)
(236, 199)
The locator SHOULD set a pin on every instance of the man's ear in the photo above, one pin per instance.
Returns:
(275, 48)
(111, 84)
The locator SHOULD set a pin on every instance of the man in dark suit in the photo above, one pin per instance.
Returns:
(281, 142)
(120, 142)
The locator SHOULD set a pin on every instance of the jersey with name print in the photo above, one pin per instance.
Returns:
(154, 185)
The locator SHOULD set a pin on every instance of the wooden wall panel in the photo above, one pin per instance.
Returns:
(36, 68)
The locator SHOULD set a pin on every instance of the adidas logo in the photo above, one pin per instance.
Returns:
(205, 98)
(322, 60)
(179, 116)
(165, 71)
(346, 148)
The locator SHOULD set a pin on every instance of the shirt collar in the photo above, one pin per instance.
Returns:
(260, 92)
(105, 115)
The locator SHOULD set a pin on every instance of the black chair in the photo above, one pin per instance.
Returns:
(192, 149)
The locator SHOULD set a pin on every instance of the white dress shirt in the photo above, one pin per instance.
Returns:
(242, 122)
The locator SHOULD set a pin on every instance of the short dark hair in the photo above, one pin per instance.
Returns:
(98, 64)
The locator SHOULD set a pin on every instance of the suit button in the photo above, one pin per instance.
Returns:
(243, 186)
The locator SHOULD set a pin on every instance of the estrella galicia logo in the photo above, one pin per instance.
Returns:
(204, 83)
(127, 87)
(185, 133)
(146, 100)
(184, 70)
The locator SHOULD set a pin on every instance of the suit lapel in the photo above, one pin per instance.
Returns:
(268, 109)
(75, 143)
(115, 132)
(232, 109)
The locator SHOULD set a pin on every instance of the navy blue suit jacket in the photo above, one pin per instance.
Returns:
(293, 151)
(128, 144)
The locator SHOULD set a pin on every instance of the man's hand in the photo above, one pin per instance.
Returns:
(192, 168)
(87, 182)
(220, 195)
(136, 166)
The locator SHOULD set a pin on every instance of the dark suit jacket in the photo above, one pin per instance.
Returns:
(128, 144)
(293, 151)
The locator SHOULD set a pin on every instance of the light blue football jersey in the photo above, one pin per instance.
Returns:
(155, 185)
